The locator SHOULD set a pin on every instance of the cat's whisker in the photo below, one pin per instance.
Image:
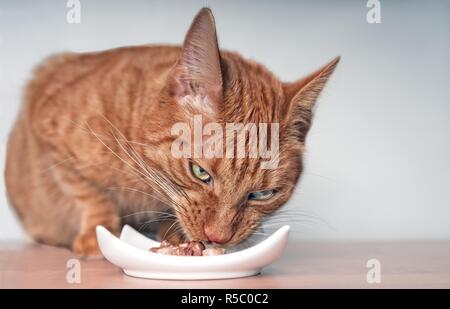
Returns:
(158, 198)
(161, 213)
(296, 214)
(120, 158)
(56, 164)
(320, 176)
(289, 222)
(298, 221)
(295, 229)
(293, 213)
(142, 192)
(291, 219)
(105, 137)
(248, 242)
(139, 178)
(258, 233)
(179, 230)
(113, 152)
(134, 156)
(159, 219)
(90, 165)
(167, 231)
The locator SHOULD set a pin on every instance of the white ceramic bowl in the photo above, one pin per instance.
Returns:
(131, 253)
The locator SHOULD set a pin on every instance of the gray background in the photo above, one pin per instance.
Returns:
(378, 155)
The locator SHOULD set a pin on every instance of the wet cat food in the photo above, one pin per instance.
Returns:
(213, 251)
(191, 248)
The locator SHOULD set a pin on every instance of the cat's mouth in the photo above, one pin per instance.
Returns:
(214, 239)
(187, 232)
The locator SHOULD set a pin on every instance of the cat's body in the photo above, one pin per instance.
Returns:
(92, 142)
(72, 90)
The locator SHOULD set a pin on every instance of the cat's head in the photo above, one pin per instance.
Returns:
(223, 199)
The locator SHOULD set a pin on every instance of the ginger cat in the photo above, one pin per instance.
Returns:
(92, 143)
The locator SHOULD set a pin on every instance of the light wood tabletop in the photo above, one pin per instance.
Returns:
(415, 264)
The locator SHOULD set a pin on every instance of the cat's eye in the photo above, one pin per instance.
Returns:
(261, 195)
(200, 173)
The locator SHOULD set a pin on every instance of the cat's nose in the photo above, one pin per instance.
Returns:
(214, 236)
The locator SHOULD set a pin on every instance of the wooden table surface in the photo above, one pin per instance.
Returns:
(424, 264)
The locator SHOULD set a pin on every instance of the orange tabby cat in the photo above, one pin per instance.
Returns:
(92, 143)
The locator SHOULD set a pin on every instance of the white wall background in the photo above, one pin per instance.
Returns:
(378, 162)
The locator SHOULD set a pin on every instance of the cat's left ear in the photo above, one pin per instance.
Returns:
(301, 96)
(198, 71)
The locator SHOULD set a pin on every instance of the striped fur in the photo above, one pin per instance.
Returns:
(91, 144)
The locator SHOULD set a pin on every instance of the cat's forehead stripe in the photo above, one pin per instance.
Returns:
(251, 92)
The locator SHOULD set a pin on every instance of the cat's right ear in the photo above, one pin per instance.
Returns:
(198, 71)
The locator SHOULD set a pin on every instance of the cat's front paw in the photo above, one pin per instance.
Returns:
(86, 245)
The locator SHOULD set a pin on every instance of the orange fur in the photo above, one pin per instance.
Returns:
(92, 142)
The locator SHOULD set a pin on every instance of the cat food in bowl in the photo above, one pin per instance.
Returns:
(132, 253)
(191, 248)
(213, 251)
